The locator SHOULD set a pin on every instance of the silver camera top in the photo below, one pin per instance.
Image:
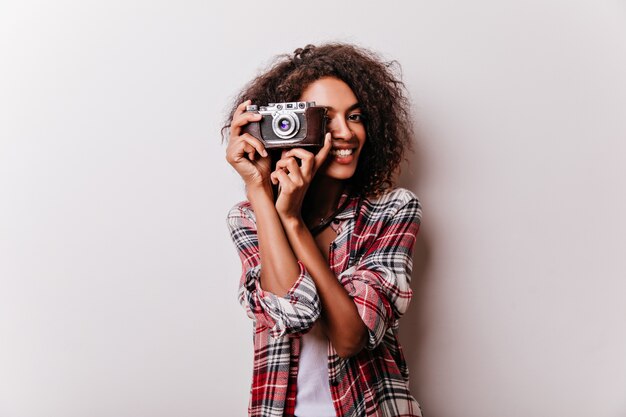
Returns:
(271, 108)
(296, 107)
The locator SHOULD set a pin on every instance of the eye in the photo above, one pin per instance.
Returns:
(356, 117)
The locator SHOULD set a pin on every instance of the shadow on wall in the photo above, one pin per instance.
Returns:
(414, 325)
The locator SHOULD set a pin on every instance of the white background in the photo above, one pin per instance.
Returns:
(118, 277)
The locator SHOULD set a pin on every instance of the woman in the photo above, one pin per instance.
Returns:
(326, 296)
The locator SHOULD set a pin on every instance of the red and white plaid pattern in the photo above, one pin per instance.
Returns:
(372, 259)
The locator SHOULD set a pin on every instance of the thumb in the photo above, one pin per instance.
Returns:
(321, 156)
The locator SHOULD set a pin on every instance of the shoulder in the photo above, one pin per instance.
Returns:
(393, 201)
(240, 213)
(395, 196)
(242, 208)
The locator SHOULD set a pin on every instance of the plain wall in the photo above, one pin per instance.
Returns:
(118, 279)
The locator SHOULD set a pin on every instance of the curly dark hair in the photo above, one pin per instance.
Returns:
(376, 85)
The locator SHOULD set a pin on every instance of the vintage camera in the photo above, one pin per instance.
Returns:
(289, 125)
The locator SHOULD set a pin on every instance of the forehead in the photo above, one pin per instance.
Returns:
(330, 92)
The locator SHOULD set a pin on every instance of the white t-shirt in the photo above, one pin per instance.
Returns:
(313, 398)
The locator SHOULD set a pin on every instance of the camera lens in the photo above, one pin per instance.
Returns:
(284, 125)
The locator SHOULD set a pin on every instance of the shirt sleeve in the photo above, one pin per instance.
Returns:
(296, 311)
(379, 283)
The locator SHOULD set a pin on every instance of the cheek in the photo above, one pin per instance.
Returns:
(360, 133)
(362, 140)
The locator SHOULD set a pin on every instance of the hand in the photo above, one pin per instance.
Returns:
(245, 152)
(294, 180)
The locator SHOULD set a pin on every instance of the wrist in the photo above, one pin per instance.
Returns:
(259, 190)
(292, 223)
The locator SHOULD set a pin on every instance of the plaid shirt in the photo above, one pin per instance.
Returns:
(372, 259)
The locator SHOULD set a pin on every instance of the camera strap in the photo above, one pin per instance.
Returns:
(325, 221)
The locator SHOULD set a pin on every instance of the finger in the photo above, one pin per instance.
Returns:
(285, 182)
(254, 142)
(282, 163)
(323, 153)
(241, 108)
(307, 158)
(243, 149)
(244, 119)
(274, 177)
(291, 165)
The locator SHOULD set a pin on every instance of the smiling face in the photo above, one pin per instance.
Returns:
(345, 123)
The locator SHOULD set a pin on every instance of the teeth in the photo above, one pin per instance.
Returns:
(341, 152)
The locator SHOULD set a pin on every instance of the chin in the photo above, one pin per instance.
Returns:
(339, 173)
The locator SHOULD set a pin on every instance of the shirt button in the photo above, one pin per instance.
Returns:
(336, 221)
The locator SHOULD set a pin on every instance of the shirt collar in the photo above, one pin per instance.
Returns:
(349, 211)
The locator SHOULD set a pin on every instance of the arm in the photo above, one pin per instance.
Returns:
(358, 309)
(340, 317)
(368, 298)
(281, 295)
(380, 283)
(280, 266)
(294, 311)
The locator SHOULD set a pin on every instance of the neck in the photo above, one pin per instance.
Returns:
(323, 196)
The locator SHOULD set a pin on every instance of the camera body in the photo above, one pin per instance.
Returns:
(289, 125)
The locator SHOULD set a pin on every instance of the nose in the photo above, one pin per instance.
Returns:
(339, 129)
